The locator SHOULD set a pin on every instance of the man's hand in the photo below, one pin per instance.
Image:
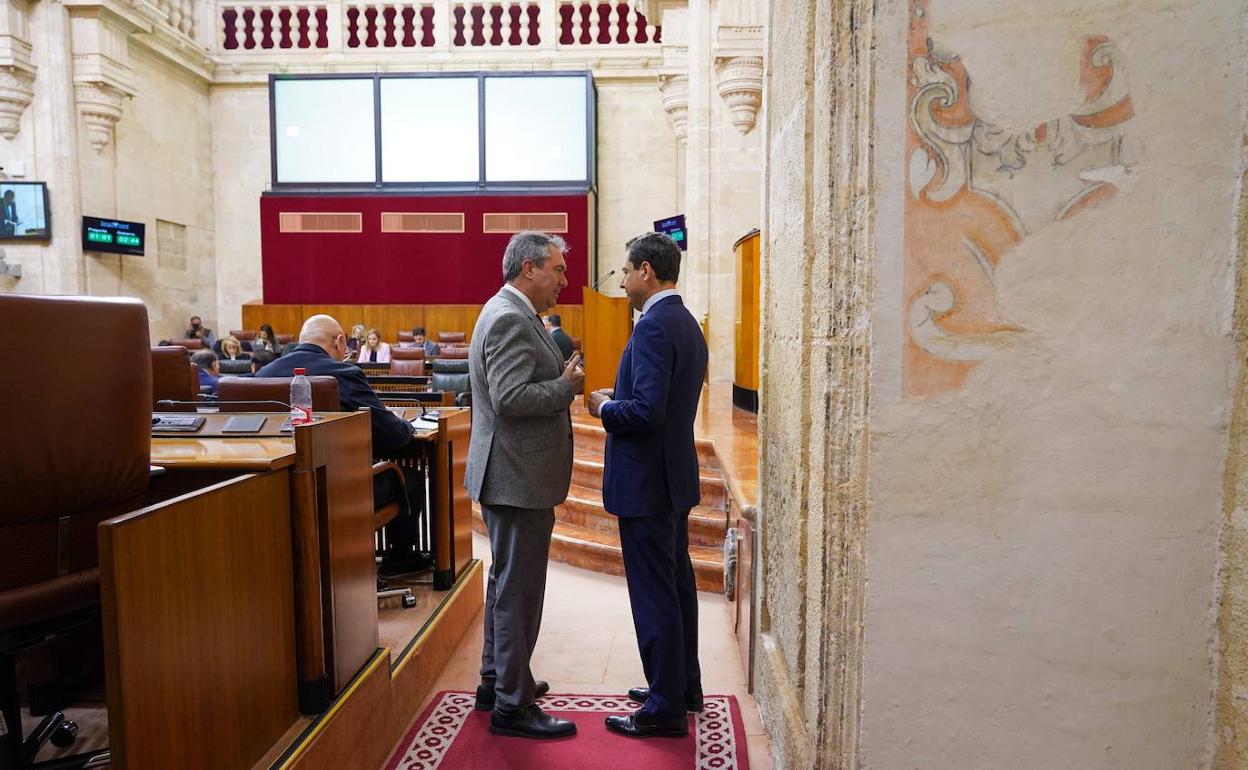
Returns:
(598, 398)
(574, 374)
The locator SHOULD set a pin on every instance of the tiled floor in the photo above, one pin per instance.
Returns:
(587, 645)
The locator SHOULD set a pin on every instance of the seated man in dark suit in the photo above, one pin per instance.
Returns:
(209, 370)
(320, 350)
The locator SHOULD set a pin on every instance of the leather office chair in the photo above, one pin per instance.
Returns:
(451, 337)
(173, 378)
(407, 354)
(237, 366)
(284, 339)
(83, 457)
(190, 343)
(231, 390)
(451, 375)
(385, 514)
(243, 335)
(576, 343)
(406, 337)
(454, 353)
(402, 366)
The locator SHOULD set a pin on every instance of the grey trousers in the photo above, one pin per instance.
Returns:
(520, 546)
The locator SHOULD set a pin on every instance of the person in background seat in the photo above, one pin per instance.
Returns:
(266, 339)
(359, 336)
(232, 349)
(374, 351)
(261, 359)
(209, 370)
(419, 339)
(198, 331)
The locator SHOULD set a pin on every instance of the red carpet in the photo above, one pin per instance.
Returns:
(450, 735)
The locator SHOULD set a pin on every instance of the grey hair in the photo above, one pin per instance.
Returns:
(531, 245)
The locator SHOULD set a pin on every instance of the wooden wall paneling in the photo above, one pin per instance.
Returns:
(285, 319)
(450, 318)
(608, 324)
(346, 315)
(452, 510)
(199, 626)
(391, 319)
(572, 318)
(338, 453)
(747, 319)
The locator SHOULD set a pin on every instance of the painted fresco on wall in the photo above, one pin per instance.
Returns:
(974, 191)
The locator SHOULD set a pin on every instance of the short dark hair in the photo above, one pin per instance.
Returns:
(261, 358)
(418, 331)
(554, 319)
(660, 251)
(204, 359)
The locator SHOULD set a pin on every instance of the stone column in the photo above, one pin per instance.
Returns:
(817, 276)
(54, 158)
(696, 270)
(17, 68)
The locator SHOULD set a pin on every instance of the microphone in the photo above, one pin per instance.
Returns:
(600, 280)
(170, 402)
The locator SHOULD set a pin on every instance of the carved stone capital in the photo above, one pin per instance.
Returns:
(741, 87)
(675, 90)
(17, 91)
(100, 105)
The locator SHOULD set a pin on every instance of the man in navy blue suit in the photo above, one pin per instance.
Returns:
(651, 483)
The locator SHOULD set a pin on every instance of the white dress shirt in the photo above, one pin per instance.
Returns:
(658, 295)
(527, 302)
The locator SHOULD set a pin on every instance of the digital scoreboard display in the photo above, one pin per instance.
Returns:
(113, 236)
(675, 228)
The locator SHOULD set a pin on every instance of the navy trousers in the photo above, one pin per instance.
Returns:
(664, 600)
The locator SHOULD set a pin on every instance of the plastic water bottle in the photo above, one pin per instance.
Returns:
(300, 399)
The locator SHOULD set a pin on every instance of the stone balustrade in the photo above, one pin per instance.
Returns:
(443, 25)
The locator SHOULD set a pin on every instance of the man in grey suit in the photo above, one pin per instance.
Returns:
(519, 468)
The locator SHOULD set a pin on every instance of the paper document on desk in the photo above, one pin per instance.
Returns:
(424, 423)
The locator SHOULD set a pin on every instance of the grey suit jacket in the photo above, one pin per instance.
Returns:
(521, 450)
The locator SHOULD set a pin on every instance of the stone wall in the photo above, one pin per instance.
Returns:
(154, 165)
(817, 277)
(1054, 200)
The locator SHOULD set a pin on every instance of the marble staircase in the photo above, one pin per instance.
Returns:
(587, 536)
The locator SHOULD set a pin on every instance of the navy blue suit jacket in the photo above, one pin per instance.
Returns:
(390, 431)
(651, 463)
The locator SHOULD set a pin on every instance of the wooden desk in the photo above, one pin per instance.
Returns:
(208, 660)
(444, 453)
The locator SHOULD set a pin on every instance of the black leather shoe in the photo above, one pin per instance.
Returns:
(642, 694)
(485, 695)
(642, 725)
(530, 722)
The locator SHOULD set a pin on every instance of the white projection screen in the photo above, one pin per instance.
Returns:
(430, 130)
(323, 130)
(535, 129)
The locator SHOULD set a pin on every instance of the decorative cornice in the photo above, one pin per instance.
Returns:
(17, 91)
(675, 90)
(100, 105)
(741, 87)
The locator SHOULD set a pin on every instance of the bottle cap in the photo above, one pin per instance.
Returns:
(301, 371)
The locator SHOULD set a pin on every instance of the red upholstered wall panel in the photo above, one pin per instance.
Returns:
(371, 267)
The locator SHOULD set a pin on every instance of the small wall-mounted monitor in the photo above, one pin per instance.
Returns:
(24, 211)
(113, 236)
(674, 227)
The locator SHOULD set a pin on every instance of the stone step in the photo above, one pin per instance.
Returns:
(583, 508)
(587, 472)
(592, 439)
(599, 551)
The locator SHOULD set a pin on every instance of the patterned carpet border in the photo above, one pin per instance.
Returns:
(718, 728)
